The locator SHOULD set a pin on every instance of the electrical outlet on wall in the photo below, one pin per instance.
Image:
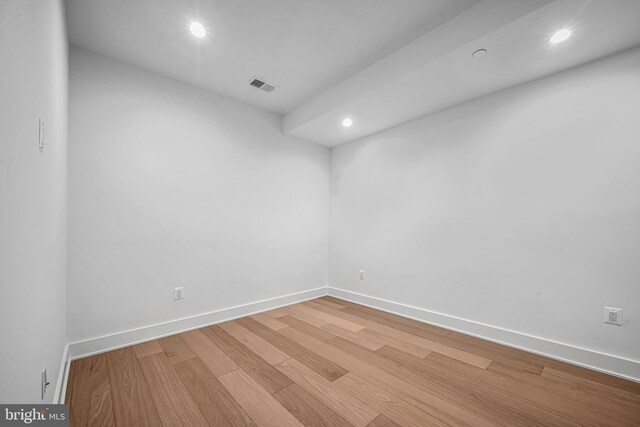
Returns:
(362, 276)
(178, 293)
(613, 316)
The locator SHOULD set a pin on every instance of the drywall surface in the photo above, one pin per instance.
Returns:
(520, 210)
(33, 187)
(171, 186)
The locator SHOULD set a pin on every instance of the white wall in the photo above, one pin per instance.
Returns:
(33, 84)
(520, 210)
(170, 186)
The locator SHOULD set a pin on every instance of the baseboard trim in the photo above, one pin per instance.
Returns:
(80, 349)
(63, 373)
(606, 363)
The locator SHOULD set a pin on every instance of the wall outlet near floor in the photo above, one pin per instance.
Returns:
(44, 382)
(362, 276)
(613, 316)
(178, 293)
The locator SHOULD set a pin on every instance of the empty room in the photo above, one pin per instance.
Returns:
(320, 213)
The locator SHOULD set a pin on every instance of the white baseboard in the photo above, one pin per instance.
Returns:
(613, 365)
(110, 342)
(63, 373)
(609, 364)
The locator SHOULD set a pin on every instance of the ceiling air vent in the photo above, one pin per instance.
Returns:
(259, 84)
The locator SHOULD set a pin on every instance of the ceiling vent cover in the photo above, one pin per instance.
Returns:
(262, 85)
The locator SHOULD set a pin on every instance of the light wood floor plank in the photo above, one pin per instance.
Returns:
(329, 362)
(176, 349)
(276, 313)
(419, 341)
(494, 390)
(426, 397)
(262, 348)
(308, 409)
(233, 328)
(328, 303)
(369, 342)
(173, 402)
(264, 374)
(352, 409)
(268, 321)
(402, 345)
(514, 358)
(311, 310)
(91, 403)
(593, 376)
(398, 322)
(334, 300)
(213, 399)
(330, 331)
(210, 354)
(319, 364)
(604, 398)
(259, 404)
(382, 421)
(386, 403)
(132, 402)
(147, 348)
(483, 406)
(568, 398)
(297, 312)
(308, 329)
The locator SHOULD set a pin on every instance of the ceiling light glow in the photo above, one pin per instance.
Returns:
(560, 36)
(197, 29)
(347, 122)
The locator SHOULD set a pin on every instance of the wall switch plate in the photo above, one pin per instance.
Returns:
(178, 293)
(44, 382)
(613, 316)
(362, 276)
(41, 135)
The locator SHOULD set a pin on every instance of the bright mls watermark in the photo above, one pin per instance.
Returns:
(35, 415)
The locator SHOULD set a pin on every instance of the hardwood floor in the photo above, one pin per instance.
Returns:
(329, 362)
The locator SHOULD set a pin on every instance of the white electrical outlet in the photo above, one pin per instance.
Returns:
(613, 316)
(178, 293)
(44, 382)
(362, 276)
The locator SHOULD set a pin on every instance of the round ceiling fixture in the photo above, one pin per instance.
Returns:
(197, 29)
(479, 53)
(560, 36)
(347, 122)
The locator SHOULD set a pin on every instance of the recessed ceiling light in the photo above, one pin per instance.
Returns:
(479, 53)
(347, 122)
(560, 36)
(197, 29)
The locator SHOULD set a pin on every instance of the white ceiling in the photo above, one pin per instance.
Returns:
(380, 62)
(302, 46)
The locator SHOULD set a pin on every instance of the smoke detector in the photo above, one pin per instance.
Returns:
(262, 85)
